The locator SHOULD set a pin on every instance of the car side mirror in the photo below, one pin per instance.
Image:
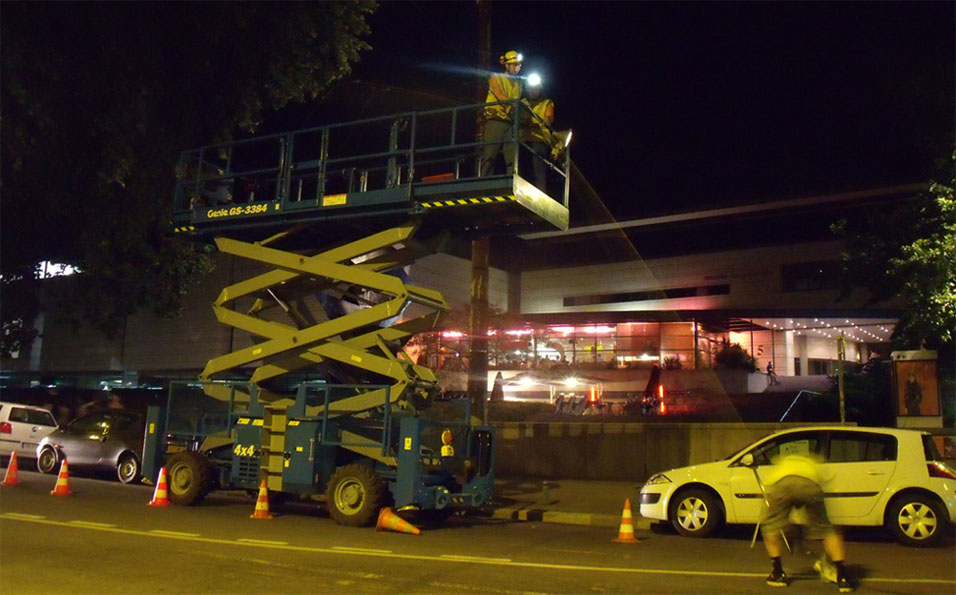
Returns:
(747, 460)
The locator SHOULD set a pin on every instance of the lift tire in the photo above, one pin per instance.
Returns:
(355, 495)
(189, 478)
(695, 513)
(916, 520)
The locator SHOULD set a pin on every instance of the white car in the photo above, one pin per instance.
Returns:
(876, 476)
(22, 427)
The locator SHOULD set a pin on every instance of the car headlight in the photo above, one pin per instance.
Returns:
(657, 479)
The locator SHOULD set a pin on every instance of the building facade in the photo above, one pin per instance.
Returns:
(674, 292)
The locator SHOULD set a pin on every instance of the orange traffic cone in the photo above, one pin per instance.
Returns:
(262, 503)
(62, 482)
(389, 521)
(626, 532)
(160, 494)
(10, 479)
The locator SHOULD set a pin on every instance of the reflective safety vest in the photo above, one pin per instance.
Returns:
(539, 122)
(502, 87)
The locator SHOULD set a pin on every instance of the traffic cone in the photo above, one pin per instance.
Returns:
(62, 482)
(160, 494)
(10, 479)
(262, 503)
(626, 533)
(389, 521)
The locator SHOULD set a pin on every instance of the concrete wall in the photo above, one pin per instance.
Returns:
(452, 277)
(616, 451)
(754, 276)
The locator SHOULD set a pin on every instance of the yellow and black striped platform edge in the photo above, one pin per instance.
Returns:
(464, 202)
(184, 229)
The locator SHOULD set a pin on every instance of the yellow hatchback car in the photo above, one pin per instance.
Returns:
(876, 476)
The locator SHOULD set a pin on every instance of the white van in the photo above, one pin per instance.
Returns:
(22, 427)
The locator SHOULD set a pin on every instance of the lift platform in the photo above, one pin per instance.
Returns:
(333, 215)
(367, 174)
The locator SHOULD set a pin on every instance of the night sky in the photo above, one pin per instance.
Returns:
(679, 106)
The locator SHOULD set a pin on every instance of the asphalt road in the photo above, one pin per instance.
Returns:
(104, 539)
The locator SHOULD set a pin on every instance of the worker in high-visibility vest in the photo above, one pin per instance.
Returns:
(499, 119)
(536, 130)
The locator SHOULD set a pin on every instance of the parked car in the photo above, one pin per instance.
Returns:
(876, 476)
(22, 427)
(111, 439)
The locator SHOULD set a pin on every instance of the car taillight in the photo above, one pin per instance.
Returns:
(593, 395)
(660, 394)
(940, 470)
(6, 428)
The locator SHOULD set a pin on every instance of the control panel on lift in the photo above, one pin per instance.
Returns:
(369, 173)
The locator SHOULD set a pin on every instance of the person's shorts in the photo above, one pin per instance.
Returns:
(795, 492)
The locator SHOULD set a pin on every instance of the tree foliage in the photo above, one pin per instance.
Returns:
(908, 254)
(734, 357)
(98, 100)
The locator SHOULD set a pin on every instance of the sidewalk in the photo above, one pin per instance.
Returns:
(569, 502)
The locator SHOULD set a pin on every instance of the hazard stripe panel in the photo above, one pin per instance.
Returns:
(458, 202)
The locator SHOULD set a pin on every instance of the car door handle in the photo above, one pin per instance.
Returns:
(875, 473)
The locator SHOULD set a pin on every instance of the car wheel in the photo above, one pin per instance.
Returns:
(695, 513)
(189, 478)
(355, 495)
(48, 460)
(127, 470)
(916, 520)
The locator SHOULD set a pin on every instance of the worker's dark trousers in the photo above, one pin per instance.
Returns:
(496, 133)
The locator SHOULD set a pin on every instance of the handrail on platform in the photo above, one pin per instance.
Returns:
(392, 151)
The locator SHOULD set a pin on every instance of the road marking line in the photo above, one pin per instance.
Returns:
(474, 558)
(461, 588)
(360, 549)
(173, 533)
(91, 524)
(262, 541)
(24, 515)
(429, 558)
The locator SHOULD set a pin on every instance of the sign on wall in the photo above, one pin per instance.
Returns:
(917, 388)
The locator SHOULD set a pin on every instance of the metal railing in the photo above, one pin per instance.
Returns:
(797, 398)
(379, 153)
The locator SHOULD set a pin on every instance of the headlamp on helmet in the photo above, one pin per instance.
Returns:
(511, 57)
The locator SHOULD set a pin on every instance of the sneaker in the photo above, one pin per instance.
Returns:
(829, 573)
(844, 584)
(777, 578)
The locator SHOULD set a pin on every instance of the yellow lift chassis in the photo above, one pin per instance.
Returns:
(328, 300)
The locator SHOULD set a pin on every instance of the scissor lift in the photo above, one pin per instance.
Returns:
(334, 213)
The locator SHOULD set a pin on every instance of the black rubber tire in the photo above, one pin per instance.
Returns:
(695, 513)
(189, 478)
(48, 461)
(128, 469)
(355, 495)
(916, 520)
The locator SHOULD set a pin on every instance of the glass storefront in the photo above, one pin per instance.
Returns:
(616, 346)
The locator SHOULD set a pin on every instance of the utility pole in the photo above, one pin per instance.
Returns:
(480, 247)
